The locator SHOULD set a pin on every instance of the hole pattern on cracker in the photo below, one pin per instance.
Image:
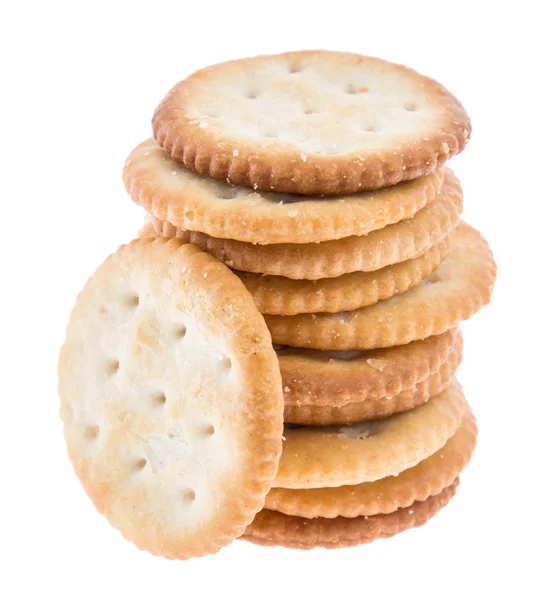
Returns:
(91, 432)
(347, 87)
(208, 430)
(140, 464)
(112, 367)
(181, 331)
(351, 91)
(149, 447)
(159, 399)
(189, 495)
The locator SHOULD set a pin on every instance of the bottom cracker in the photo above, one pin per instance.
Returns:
(271, 528)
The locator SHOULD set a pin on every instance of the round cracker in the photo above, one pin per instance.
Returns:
(171, 398)
(351, 454)
(275, 295)
(453, 293)
(311, 122)
(176, 194)
(327, 378)
(392, 244)
(356, 412)
(427, 478)
(271, 528)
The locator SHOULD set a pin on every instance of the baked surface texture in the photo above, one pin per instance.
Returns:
(393, 244)
(174, 193)
(427, 478)
(171, 398)
(336, 378)
(272, 528)
(453, 293)
(375, 408)
(275, 295)
(311, 122)
(316, 457)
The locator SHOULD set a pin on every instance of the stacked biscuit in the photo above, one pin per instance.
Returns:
(318, 179)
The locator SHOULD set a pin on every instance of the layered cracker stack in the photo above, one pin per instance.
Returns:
(318, 178)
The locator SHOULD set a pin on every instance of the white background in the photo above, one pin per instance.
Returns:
(79, 82)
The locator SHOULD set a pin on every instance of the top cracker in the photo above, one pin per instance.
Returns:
(311, 122)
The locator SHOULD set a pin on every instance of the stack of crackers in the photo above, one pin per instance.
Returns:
(274, 357)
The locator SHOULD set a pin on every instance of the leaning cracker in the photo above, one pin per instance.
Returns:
(271, 528)
(311, 122)
(321, 377)
(176, 194)
(171, 398)
(275, 295)
(356, 412)
(392, 244)
(453, 293)
(346, 455)
(427, 478)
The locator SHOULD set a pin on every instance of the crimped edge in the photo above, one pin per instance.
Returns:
(375, 375)
(271, 528)
(275, 295)
(263, 415)
(212, 154)
(355, 412)
(251, 217)
(392, 244)
(426, 479)
(315, 457)
(400, 319)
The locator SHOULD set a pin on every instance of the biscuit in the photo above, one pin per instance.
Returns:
(275, 295)
(453, 293)
(427, 478)
(176, 194)
(355, 412)
(351, 454)
(271, 528)
(311, 122)
(392, 244)
(171, 398)
(337, 378)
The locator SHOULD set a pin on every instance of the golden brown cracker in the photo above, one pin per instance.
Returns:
(356, 412)
(427, 478)
(311, 122)
(271, 528)
(329, 377)
(275, 295)
(350, 454)
(171, 398)
(392, 244)
(174, 193)
(453, 293)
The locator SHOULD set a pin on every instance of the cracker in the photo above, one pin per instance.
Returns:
(393, 244)
(275, 295)
(355, 412)
(311, 122)
(171, 398)
(271, 528)
(453, 293)
(346, 455)
(427, 478)
(336, 378)
(176, 194)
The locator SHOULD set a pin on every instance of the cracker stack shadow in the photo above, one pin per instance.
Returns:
(318, 178)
